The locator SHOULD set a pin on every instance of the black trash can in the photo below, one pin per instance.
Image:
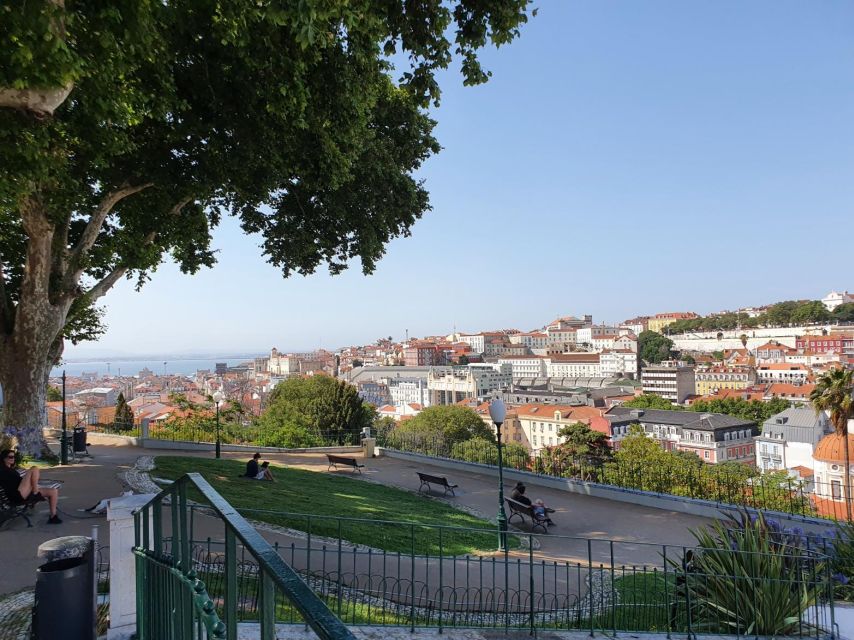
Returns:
(65, 600)
(79, 440)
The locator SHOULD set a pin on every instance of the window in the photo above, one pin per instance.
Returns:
(706, 455)
(836, 489)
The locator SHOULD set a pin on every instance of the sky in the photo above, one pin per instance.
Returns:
(625, 158)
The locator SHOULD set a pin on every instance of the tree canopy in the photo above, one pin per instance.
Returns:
(314, 409)
(654, 347)
(451, 423)
(649, 401)
(781, 314)
(128, 130)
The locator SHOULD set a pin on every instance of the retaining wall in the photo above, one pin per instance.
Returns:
(690, 506)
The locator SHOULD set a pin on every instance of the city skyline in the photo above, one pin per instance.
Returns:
(621, 161)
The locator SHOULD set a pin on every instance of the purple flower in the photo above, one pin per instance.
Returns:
(797, 531)
(840, 578)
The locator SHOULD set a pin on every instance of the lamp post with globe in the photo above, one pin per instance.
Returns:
(217, 398)
(498, 412)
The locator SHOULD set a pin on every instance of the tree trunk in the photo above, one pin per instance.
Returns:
(24, 378)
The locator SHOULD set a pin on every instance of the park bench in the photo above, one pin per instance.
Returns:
(441, 481)
(10, 510)
(334, 461)
(517, 509)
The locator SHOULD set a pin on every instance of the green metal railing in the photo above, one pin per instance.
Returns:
(594, 585)
(173, 602)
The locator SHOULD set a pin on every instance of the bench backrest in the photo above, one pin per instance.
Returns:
(426, 477)
(341, 459)
(518, 506)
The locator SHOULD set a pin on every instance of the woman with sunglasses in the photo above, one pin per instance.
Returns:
(21, 489)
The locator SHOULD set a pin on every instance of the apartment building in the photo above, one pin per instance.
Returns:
(661, 320)
(585, 335)
(405, 391)
(525, 366)
(710, 380)
(787, 373)
(833, 342)
(421, 354)
(671, 380)
(713, 437)
(540, 424)
(474, 381)
(573, 365)
(788, 439)
(618, 363)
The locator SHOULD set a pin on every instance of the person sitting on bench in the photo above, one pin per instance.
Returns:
(264, 472)
(519, 494)
(23, 489)
(252, 467)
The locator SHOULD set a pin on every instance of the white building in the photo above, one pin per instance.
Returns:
(585, 335)
(574, 365)
(604, 341)
(618, 363)
(532, 340)
(560, 338)
(788, 439)
(626, 341)
(525, 366)
(476, 341)
(834, 299)
(404, 391)
(789, 373)
(476, 380)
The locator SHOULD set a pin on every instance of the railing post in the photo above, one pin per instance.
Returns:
(671, 618)
(268, 607)
(412, 577)
(230, 584)
(590, 583)
(531, 586)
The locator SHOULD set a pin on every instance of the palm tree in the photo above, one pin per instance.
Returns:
(833, 393)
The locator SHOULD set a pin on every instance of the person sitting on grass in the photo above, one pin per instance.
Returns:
(252, 467)
(25, 489)
(264, 472)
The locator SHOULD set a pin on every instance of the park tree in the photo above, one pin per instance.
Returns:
(844, 312)
(327, 409)
(124, 414)
(654, 347)
(450, 423)
(585, 445)
(53, 394)
(128, 130)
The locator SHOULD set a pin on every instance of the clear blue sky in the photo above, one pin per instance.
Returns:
(626, 158)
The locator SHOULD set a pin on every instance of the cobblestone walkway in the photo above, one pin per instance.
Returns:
(16, 615)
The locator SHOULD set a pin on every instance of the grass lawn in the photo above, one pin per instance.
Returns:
(643, 602)
(330, 500)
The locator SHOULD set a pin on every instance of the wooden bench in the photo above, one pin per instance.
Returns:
(441, 481)
(334, 461)
(10, 510)
(517, 509)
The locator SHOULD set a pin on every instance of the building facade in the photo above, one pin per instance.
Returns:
(474, 381)
(670, 381)
(713, 437)
(709, 381)
(661, 320)
(788, 439)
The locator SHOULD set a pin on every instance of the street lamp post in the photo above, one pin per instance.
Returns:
(497, 411)
(63, 440)
(217, 397)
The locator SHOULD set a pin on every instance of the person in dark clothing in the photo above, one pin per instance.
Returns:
(22, 489)
(252, 467)
(519, 494)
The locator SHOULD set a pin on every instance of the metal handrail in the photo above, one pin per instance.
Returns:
(274, 571)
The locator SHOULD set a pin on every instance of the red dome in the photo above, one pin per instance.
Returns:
(831, 448)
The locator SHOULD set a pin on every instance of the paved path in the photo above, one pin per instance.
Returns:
(577, 516)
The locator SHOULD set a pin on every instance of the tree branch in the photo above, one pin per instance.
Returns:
(93, 228)
(107, 283)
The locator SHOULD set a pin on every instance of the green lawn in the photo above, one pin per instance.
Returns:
(332, 500)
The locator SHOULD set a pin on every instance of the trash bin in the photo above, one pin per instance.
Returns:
(64, 600)
(79, 440)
